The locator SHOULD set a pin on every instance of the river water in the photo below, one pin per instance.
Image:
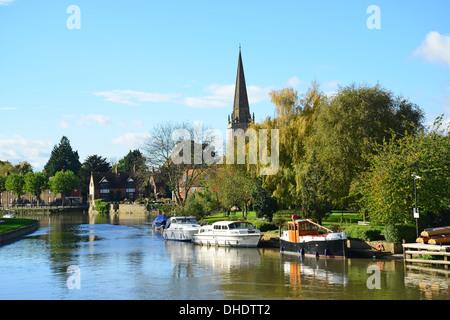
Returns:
(80, 256)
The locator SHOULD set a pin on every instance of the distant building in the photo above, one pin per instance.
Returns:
(8, 198)
(112, 186)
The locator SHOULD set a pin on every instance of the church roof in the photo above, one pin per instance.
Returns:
(241, 109)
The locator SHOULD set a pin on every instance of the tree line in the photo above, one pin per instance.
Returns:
(63, 172)
(355, 149)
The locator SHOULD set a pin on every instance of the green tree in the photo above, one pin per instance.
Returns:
(134, 161)
(387, 188)
(315, 199)
(349, 125)
(2, 183)
(263, 203)
(21, 167)
(63, 158)
(36, 183)
(234, 187)
(16, 183)
(63, 182)
(294, 118)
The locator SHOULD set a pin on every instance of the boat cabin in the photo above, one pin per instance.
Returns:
(300, 228)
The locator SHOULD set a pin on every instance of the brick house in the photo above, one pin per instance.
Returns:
(112, 186)
(8, 198)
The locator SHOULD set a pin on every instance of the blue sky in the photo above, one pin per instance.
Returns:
(134, 64)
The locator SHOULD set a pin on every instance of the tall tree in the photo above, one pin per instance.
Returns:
(348, 126)
(16, 183)
(294, 118)
(36, 183)
(134, 161)
(63, 158)
(387, 188)
(161, 150)
(63, 182)
(315, 199)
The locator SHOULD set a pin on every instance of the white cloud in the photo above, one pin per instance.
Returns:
(17, 149)
(84, 120)
(5, 2)
(63, 125)
(294, 82)
(94, 120)
(435, 48)
(133, 98)
(131, 139)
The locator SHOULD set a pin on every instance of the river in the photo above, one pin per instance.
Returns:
(81, 256)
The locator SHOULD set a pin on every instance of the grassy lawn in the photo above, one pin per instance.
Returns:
(335, 218)
(10, 224)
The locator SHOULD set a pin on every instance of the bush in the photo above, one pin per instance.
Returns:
(263, 226)
(396, 233)
(102, 206)
(364, 233)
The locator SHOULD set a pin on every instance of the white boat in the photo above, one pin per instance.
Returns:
(180, 228)
(228, 233)
(8, 215)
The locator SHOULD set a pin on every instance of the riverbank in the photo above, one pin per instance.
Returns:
(14, 229)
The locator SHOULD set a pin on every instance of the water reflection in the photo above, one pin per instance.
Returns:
(321, 271)
(122, 257)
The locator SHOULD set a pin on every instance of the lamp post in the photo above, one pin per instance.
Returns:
(416, 210)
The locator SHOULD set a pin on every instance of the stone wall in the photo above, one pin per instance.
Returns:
(125, 209)
(18, 234)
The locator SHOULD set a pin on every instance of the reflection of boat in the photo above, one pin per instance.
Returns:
(180, 228)
(160, 221)
(318, 270)
(229, 233)
(303, 237)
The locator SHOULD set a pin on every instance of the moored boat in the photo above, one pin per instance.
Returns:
(160, 221)
(306, 237)
(229, 233)
(180, 228)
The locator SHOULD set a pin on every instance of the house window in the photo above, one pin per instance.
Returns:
(104, 189)
(130, 189)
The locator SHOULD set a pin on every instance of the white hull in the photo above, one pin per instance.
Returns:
(179, 235)
(180, 229)
(250, 240)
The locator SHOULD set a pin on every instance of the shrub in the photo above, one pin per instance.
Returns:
(364, 233)
(263, 226)
(102, 206)
(396, 233)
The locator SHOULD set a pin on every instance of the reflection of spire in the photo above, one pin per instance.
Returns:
(241, 110)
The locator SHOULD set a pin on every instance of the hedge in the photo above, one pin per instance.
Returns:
(364, 233)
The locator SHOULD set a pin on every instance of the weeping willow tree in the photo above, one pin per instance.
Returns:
(323, 141)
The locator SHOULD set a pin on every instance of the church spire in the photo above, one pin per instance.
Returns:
(240, 118)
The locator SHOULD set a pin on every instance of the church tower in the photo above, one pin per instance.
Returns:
(240, 118)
